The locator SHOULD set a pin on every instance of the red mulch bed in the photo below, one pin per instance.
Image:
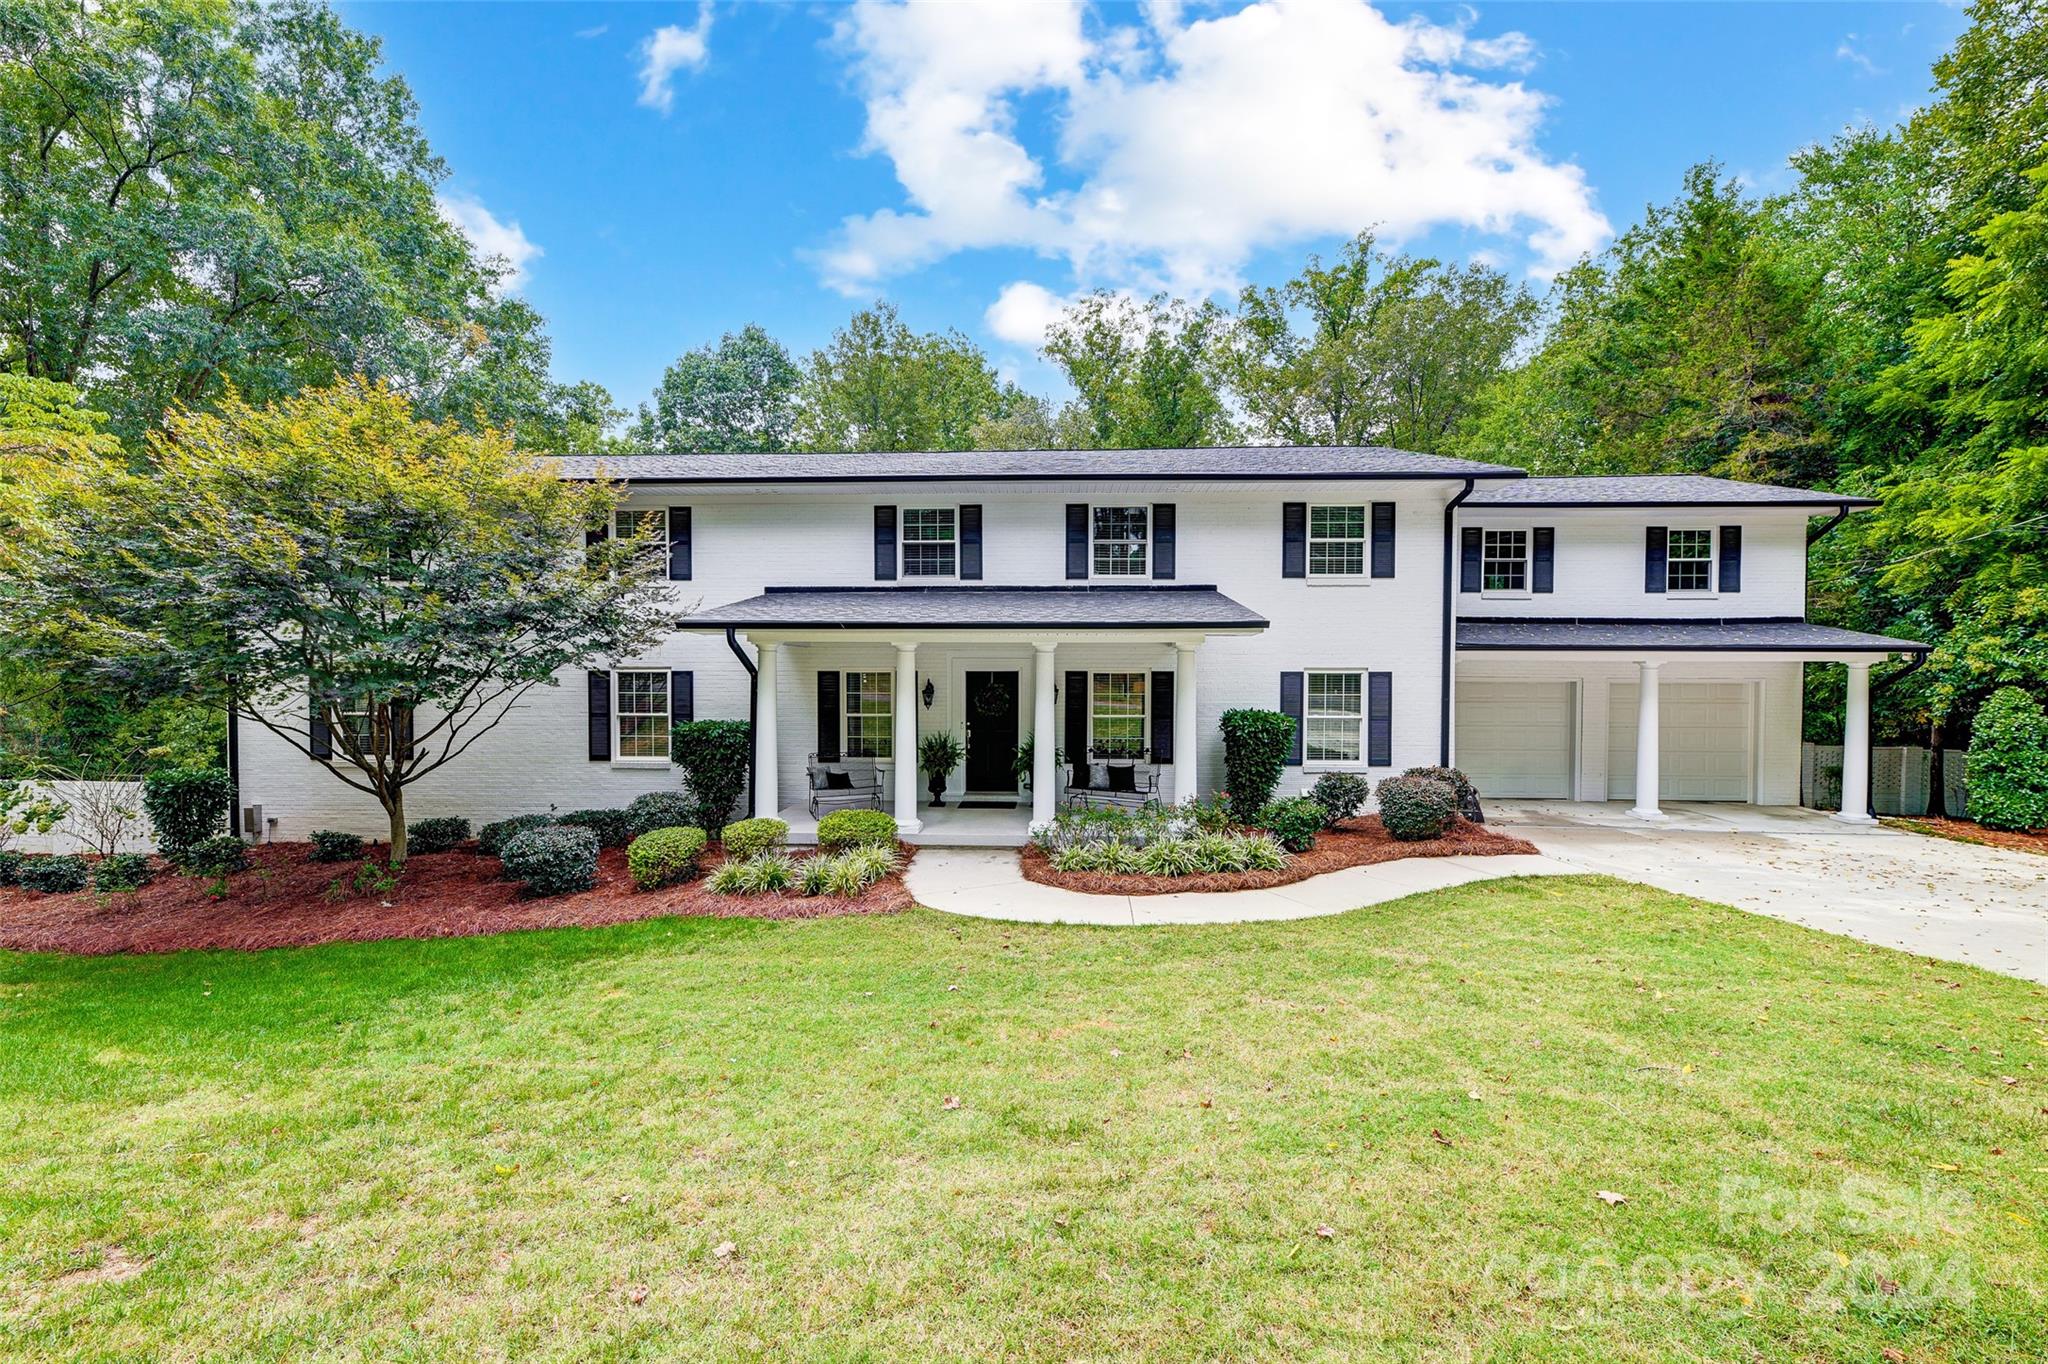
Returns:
(286, 899)
(1969, 831)
(1354, 843)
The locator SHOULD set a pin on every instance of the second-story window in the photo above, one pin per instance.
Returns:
(931, 542)
(1504, 561)
(633, 523)
(1121, 535)
(1336, 542)
(1689, 561)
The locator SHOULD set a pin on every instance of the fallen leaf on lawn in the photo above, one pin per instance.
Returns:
(1208, 1103)
(1441, 1139)
(1326, 1231)
(952, 1102)
(637, 1294)
(1685, 1069)
(2008, 1079)
(1892, 1355)
(1944, 1165)
(1610, 1197)
(2025, 1222)
(723, 1250)
(1473, 1094)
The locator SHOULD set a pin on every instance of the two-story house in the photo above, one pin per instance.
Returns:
(1629, 639)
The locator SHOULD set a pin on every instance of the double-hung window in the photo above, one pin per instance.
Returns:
(870, 716)
(1336, 542)
(1334, 717)
(1121, 536)
(1504, 561)
(1116, 715)
(648, 526)
(642, 714)
(931, 542)
(358, 716)
(1689, 561)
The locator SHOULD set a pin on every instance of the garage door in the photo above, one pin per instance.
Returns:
(1704, 730)
(1515, 738)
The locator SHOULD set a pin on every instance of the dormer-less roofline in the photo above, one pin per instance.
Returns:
(1656, 490)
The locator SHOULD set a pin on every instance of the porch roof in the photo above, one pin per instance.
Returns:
(1091, 606)
(1767, 634)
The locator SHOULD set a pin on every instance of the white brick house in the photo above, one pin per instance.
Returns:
(1589, 639)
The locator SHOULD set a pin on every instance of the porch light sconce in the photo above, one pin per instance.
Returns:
(929, 692)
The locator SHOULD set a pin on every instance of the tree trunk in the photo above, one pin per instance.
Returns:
(394, 805)
(1937, 778)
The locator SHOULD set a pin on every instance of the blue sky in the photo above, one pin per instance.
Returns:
(667, 172)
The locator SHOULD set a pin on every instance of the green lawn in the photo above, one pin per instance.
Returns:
(730, 1138)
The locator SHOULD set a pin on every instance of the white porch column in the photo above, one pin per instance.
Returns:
(1646, 743)
(1045, 768)
(1856, 748)
(905, 746)
(767, 801)
(1186, 722)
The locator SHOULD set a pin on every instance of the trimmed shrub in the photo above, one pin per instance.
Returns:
(660, 810)
(715, 757)
(751, 837)
(1340, 794)
(218, 856)
(436, 835)
(1294, 822)
(555, 859)
(612, 827)
(492, 838)
(856, 829)
(2008, 772)
(121, 871)
(53, 875)
(332, 845)
(10, 867)
(662, 857)
(1255, 744)
(187, 806)
(1417, 808)
(1462, 789)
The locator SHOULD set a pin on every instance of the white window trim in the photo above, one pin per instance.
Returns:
(1358, 764)
(1713, 587)
(1146, 576)
(1308, 551)
(1145, 731)
(658, 554)
(618, 714)
(846, 714)
(903, 573)
(1528, 587)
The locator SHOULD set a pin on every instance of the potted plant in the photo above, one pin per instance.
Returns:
(1026, 758)
(939, 755)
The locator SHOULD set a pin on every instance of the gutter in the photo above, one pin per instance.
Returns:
(1450, 629)
(1869, 767)
(235, 768)
(1841, 514)
(732, 642)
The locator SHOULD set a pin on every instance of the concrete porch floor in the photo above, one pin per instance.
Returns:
(948, 827)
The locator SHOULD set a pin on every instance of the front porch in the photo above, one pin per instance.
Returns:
(948, 827)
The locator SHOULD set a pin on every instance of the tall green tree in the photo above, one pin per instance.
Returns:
(880, 386)
(1373, 349)
(738, 395)
(1144, 374)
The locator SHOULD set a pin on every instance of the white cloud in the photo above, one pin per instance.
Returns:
(669, 49)
(506, 241)
(594, 31)
(1847, 51)
(1180, 146)
(1022, 312)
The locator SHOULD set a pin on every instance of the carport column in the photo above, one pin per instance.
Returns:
(905, 746)
(766, 801)
(1045, 768)
(1856, 748)
(1186, 726)
(1646, 742)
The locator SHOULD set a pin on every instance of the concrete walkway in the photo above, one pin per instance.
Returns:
(987, 883)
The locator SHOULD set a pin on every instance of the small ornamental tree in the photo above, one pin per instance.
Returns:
(375, 590)
(2009, 762)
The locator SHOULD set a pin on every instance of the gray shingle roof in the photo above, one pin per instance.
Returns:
(1247, 462)
(982, 608)
(1768, 635)
(1653, 490)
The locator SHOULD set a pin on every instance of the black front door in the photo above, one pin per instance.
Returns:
(991, 731)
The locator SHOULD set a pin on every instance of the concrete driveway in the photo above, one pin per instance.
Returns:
(1956, 901)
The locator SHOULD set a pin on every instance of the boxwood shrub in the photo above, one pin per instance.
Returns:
(436, 835)
(1417, 808)
(751, 837)
(121, 871)
(1255, 744)
(555, 859)
(216, 856)
(660, 810)
(856, 828)
(1340, 794)
(2008, 772)
(492, 838)
(662, 857)
(612, 827)
(10, 867)
(53, 875)
(715, 756)
(1466, 794)
(332, 845)
(1294, 822)
(186, 806)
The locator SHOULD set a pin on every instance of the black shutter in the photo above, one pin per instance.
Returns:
(1077, 540)
(1162, 717)
(1290, 704)
(1543, 559)
(679, 544)
(682, 700)
(1294, 539)
(319, 741)
(1162, 539)
(1653, 559)
(885, 544)
(970, 542)
(1468, 566)
(1379, 719)
(600, 716)
(1077, 717)
(1382, 539)
(1731, 558)
(828, 717)
(593, 538)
